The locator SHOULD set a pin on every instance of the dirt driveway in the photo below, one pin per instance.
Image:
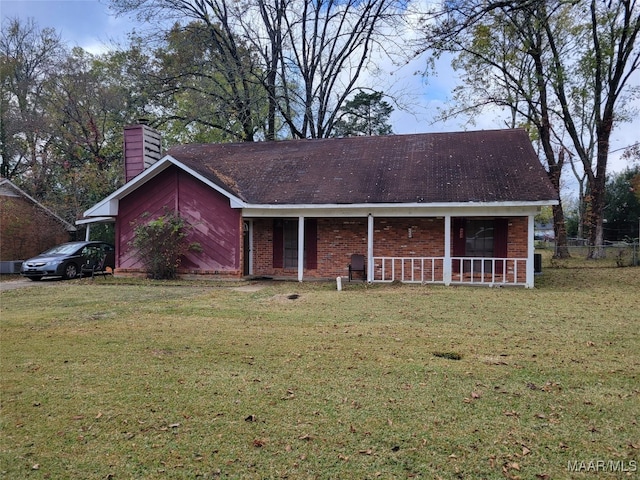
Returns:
(25, 282)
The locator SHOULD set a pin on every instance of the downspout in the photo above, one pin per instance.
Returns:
(300, 248)
(370, 248)
(446, 268)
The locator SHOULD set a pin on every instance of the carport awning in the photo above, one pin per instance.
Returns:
(90, 220)
(87, 222)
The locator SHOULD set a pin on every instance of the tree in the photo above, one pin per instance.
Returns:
(28, 57)
(200, 99)
(622, 210)
(62, 118)
(88, 110)
(578, 58)
(364, 114)
(307, 56)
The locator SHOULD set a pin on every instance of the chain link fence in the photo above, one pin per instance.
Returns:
(620, 254)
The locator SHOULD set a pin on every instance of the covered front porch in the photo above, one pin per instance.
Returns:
(480, 246)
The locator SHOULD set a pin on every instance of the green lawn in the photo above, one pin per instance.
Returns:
(131, 379)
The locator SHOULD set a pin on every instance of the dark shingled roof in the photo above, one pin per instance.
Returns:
(479, 166)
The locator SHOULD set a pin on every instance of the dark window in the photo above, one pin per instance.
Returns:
(483, 238)
(479, 238)
(290, 236)
(285, 243)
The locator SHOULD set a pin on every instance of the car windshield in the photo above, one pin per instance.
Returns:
(64, 249)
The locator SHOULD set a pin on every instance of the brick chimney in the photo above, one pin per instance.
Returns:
(142, 148)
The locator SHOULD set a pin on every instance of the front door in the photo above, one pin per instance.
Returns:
(479, 238)
(246, 249)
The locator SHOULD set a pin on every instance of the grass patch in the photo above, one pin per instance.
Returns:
(139, 379)
(448, 355)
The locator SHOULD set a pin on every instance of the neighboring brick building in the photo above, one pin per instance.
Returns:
(432, 208)
(27, 228)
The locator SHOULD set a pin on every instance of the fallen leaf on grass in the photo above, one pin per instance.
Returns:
(259, 442)
(525, 451)
(306, 436)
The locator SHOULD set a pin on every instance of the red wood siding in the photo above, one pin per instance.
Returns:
(215, 225)
(133, 151)
(142, 148)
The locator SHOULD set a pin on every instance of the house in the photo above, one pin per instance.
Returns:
(27, 227)
(450, 208)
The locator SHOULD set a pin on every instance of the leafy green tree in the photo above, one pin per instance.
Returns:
(88, 111)
(63, 113)
(28, 57)
(206, 92)
(622, 211)
(365, 114)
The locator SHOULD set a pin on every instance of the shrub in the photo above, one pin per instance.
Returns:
(161, 243)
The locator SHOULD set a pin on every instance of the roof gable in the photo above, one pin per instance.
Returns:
(9, 189)
(479, 166)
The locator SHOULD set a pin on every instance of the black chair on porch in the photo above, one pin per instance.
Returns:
(357, 265)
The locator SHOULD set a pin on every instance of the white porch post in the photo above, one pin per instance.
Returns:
(300, 248)
(530, 251)
(370, 248)
(446, 273)
(87, 232)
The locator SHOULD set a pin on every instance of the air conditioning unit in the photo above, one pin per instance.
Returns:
(11, 266)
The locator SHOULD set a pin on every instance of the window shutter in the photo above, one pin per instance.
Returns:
(500, 235)
(457, 243)
(311, 242)
(500, 238)
(458, 237)
(278, 244)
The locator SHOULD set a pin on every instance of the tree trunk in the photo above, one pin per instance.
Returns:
(596, 219)
(560, 232)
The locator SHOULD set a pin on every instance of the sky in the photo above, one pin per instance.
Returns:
(91, 25)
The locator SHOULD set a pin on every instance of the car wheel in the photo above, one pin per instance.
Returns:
(70, 271)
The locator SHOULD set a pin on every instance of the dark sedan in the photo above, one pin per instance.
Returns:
(66, 260)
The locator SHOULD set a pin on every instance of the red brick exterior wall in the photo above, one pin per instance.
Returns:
(339, 238)
(26, 230)
(517, 244)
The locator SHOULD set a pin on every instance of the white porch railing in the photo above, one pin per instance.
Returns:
(464, 270)
(408, 269)
(489, 271)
